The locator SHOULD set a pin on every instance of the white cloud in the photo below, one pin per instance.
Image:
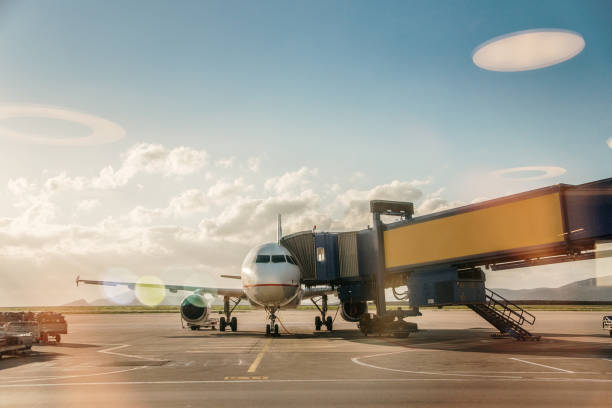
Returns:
(291, 181)
(187, 203)
(21, 186)
(87, 205)
(254, 164)
(357, 206)
(223, 189)
(151, 159)
(436, 204)
(254, 219)
(225, 163)
(142, 158)
(62, 182)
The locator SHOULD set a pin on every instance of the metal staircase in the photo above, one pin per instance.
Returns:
(505, 316)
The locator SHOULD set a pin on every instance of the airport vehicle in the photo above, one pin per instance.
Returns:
(13, 343)
(606, 324)
(21, 327)
(270, 279)
(43, 326)
(51, 325)
(210, 323)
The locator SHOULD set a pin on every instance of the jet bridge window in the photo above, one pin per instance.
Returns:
(278, 258)
(321, 254)
(262, 259)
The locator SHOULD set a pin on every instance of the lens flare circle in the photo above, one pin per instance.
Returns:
(149, 296)
(102, 130)
(610, 143)
(547, 172)
(528, 50)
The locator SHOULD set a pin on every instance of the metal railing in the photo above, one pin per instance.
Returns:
(506, 308)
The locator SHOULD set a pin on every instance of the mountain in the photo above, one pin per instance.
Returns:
(128, 299)
(594, 289)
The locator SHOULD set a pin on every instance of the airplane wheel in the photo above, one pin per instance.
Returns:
(234, 324)
(329, 323)
(222, 324)
(318, 323)
(267, 329)
(276, 330)
(58, 338)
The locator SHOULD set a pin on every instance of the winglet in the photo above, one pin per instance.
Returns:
(279, 232)
(78, 279)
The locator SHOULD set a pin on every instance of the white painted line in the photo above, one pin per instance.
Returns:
(331, 380)
(542, 365)
(121, 346)
(60, 377)
(227, 347)
(357, 360)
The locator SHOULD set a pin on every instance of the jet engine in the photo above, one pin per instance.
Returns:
(194, 309)
(352, 311)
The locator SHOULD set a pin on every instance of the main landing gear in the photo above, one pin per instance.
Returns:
(323, 320)
(228, 320)
(272, 327)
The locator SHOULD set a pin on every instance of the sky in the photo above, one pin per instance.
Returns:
(156, 138)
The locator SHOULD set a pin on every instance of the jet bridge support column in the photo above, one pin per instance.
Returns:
(379, 254)
(390, 322)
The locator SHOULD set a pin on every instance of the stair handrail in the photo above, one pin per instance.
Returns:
(513, 314)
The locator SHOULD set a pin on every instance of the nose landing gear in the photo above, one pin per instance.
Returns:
(272, 327)
(323, 320)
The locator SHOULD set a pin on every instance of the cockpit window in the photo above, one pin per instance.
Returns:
(262, 259)
(290, 259)
(278, 258)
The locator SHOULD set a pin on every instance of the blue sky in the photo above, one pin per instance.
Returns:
(364, 92)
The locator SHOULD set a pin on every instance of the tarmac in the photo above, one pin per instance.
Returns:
(148, 360)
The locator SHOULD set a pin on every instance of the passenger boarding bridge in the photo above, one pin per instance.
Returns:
(438, 257)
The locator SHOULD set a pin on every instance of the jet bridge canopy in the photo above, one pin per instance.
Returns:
(555, 220)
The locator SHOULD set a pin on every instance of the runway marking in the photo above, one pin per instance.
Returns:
(356, 360)
(121, 346)
(59, 377)
(541, 365)
(259, 357)
(330, 380)
(246, 378)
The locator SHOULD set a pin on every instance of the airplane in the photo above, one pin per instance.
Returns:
(270, 279)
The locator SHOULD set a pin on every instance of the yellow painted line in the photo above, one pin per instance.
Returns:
(259, 357)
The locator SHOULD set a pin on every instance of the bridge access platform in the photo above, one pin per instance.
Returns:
(438, 259)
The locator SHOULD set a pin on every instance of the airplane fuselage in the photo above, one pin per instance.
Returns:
(270, 276)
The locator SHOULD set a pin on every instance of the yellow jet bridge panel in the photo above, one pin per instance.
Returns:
(528, 222)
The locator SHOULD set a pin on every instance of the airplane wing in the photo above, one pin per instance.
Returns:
(317, 291)
(238, 293)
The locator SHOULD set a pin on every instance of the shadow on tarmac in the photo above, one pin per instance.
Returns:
(471, 341)
(30, 357)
